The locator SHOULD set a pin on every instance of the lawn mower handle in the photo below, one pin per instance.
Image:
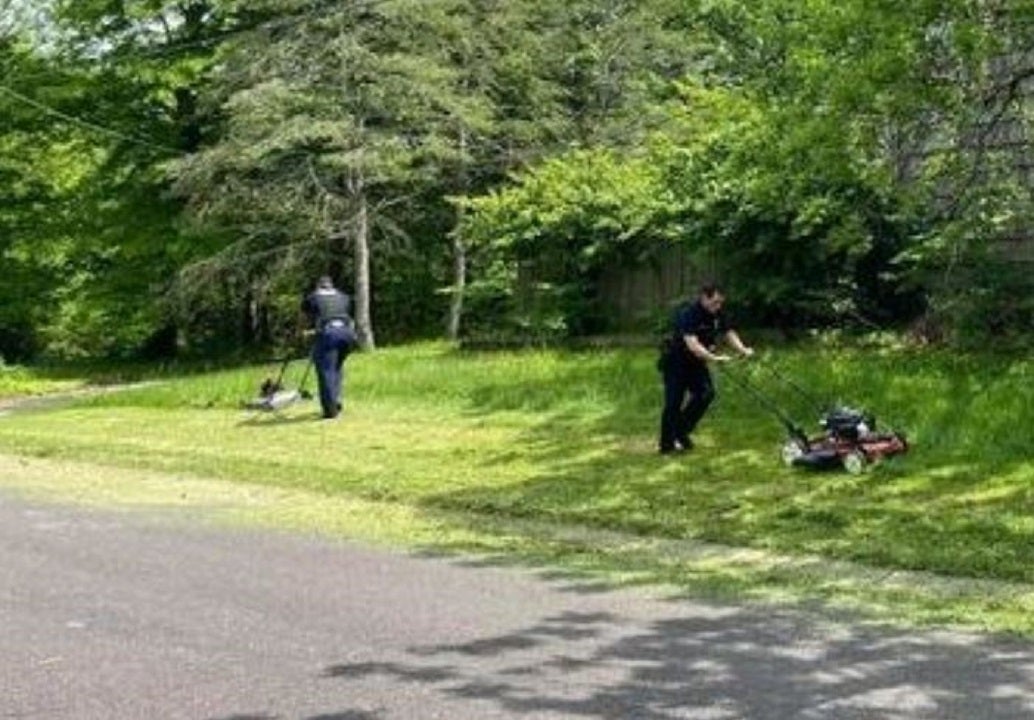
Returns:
(792, 428)
(302, 390)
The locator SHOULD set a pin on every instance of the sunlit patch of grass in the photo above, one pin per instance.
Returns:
(17, 381)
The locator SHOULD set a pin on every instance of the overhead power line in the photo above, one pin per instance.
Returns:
(87, 124)
(268, 25)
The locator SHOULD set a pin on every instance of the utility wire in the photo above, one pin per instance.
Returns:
(277, 24)
(86, 123)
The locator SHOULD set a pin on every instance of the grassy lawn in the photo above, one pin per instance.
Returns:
(17, 381)
(552, 455)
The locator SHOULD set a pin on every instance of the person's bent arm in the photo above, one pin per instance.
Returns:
(697, 348)
(734, 339)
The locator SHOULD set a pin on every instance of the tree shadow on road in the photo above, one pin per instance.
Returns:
(347, 715)
(718, 662)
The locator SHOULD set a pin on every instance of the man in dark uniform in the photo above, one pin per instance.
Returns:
(698, 326)
(327, 309)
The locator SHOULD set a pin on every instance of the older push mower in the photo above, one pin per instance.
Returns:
(849, 438)
(274, 396)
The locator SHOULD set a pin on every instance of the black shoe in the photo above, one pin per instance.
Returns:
(678, 448)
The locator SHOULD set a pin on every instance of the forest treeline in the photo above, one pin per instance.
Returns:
(174, 173)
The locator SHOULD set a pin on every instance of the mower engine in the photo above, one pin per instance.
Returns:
(844, 423)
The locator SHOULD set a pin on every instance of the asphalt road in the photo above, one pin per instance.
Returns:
(111, 616)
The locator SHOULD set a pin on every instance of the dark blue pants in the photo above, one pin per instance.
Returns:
(679, 418)
(334, 343)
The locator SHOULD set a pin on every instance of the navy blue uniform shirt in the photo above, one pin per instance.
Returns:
(695, 319)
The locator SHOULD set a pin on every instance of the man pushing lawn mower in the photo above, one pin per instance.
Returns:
(683, 365)
(327, 309)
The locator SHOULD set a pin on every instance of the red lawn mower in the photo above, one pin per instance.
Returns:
(849, 438)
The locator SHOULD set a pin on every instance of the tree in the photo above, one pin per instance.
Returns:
(928, 101)
(339, 117)
(31, 181)
(107, 95)
(822, 154)
(579, 74)
(543, 242)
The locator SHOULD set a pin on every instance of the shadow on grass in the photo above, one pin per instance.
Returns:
(713, 661)
(260, 419)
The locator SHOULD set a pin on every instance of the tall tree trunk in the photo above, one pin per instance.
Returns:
(459, 282)
(459, 253)
(364, 327)
(249, 319)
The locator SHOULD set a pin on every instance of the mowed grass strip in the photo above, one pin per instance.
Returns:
(567, 439)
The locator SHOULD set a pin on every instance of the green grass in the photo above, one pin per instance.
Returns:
(530, 440)
(17, 381)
